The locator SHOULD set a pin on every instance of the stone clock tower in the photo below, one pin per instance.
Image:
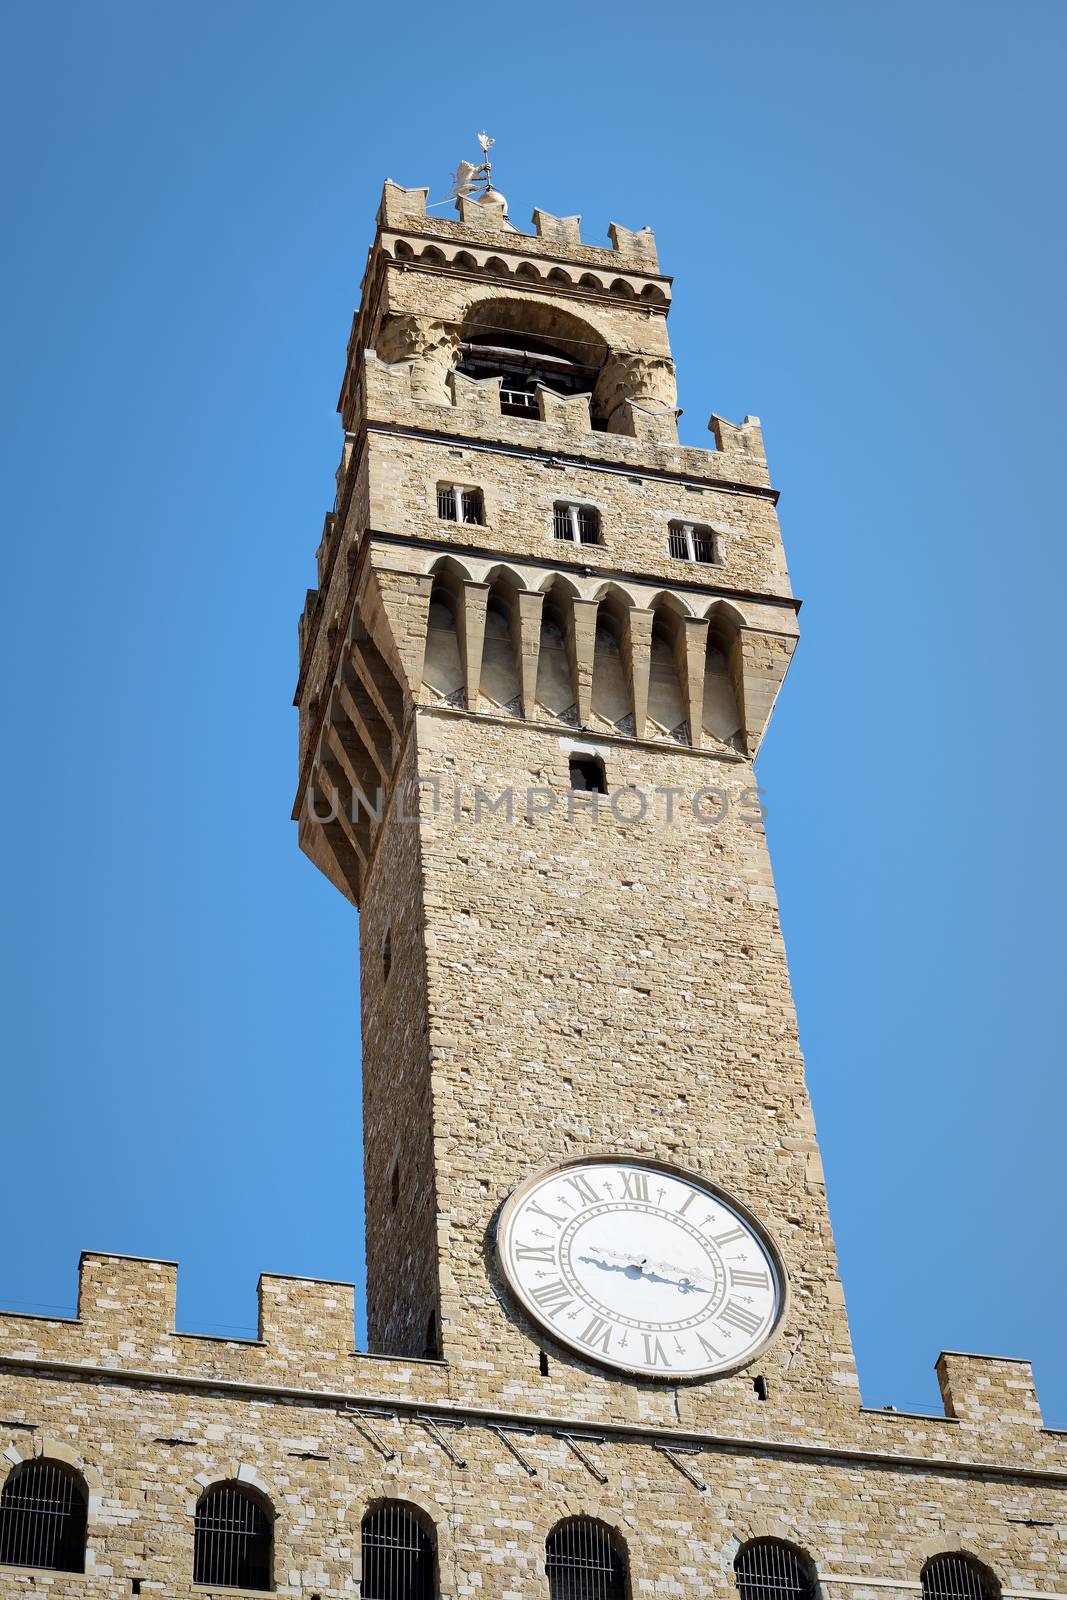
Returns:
(609, 1352)
(530, 593)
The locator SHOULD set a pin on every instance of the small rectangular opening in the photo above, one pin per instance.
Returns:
(456, 504)
(587, 774)
(690, 541)
(575, 524)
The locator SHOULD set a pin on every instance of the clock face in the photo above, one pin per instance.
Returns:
(641, 1267)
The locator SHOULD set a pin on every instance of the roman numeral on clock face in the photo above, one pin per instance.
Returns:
(739, 1317)
(584, 1189)
(552, 1297)
(549, 1216)
(655, 1355)
(750, 1280)
(534, 1252)
(728, 1237)
(634, 1185)
(597, 1335)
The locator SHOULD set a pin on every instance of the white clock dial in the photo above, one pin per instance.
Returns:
(641, 1267)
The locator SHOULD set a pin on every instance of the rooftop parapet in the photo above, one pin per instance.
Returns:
(988, 1391)
(405, 211)
(127, 1304)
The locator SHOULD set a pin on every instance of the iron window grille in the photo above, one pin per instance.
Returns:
(456, 504)
(583, 1562)
(957, 1577)
(232, 1540)
(690, 542)
(577, 524)
(766, 1569)
(398, 1555)
(43, 1512)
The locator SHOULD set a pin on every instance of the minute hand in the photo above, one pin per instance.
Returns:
(693, 1280)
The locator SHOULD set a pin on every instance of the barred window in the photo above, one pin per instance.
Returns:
(583, 1562)
(577, 524)
(768, 1569)
(958, 1576)
(398, 1554)
(43, 1512)
(456, 504)
(233, 1539)
(688, 541)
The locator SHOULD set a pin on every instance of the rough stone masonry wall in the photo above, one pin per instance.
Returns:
(398, 1122)
(519, 495)
(614, 985)
(147, 1449)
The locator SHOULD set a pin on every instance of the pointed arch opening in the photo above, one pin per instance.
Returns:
(612, 698)
(44, 1511)
(233, 1538)
(584, 1560)
(500, 681)
(555, 656)
(399, 1549)
(443, 665)
(666, 676)
(722, 678)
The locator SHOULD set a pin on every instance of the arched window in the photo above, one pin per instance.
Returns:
(958, 1576)
(769, 1569)
(232, 1539)
(530, 345)
(398, 1554)
(583, 1561)
(42, 1517)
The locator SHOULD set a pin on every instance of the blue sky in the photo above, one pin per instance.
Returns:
(859, 205)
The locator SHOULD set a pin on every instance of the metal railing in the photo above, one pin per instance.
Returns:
(519, 403)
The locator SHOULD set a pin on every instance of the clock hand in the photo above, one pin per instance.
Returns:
(639, 1267)
(685, 1285)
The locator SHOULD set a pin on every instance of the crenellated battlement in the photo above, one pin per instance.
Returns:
(125, 1328)
(405, 210)
(988, 1391)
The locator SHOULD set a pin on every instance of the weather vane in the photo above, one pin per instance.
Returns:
(470, 182)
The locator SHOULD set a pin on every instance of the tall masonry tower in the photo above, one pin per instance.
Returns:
(609, 1357)
(543, 651)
